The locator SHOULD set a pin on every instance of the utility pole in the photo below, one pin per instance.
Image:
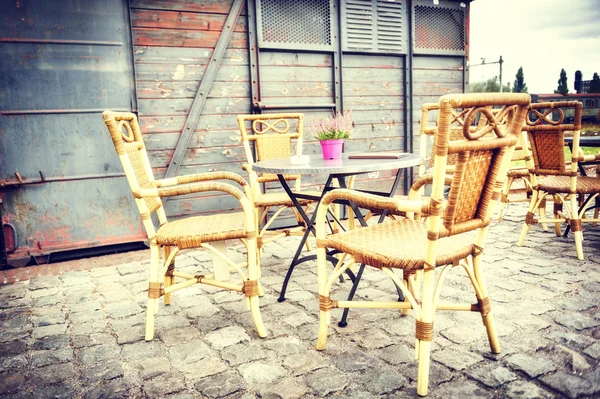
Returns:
(500, 61)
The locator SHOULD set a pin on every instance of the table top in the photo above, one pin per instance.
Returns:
(317, 164)
(585, 141)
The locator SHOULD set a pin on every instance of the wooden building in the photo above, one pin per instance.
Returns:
(187, 68)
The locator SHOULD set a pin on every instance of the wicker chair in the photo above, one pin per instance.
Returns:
(265, 137)
(452, 235)
(550, 173)
(207, 232)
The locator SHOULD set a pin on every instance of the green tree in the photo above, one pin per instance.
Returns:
(489, 86)
(562, 83)
(519, 86)
(595, 84)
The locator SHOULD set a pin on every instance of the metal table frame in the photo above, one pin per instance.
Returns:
(337, 170)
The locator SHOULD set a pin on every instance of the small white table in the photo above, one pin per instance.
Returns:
(335, 170)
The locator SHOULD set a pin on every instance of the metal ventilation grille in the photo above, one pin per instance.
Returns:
(359, 25)
(439, 28)
(389, 25)
(295, 24)
(373, 25)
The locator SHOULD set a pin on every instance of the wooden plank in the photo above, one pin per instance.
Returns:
(203, 139)
(437, 88)
(294, 74)
(174, 123)
(199, 156)
(297, 89)
(393, 89)
(295, 59)
(165, 89)
(372, 75)
(373, 61)
(436, 75)
(202, 6)
(184, 38)
(186, 72)
(182, 106)
(187, 55)
(359, 104)
(437, 62)
(182, 20)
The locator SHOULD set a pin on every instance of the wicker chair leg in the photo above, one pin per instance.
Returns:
(254, 275)
(531, 210)
(423, 372)
(505, 190)
(542, 213)
(152, 308)
(169, 279)
(486, 314)
(557, 216)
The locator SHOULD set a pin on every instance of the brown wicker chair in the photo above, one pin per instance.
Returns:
(550, 173)
(265, 137)
(207, 232)
(452, 235)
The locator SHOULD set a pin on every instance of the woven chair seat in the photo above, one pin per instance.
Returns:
(192, 231)
(282, 199)
(561, 184)
(377, 246)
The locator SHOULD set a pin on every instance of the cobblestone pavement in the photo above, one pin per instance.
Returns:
(76, 330)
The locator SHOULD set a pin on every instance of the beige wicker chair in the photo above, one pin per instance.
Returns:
(550, 173)
(452, 235)
(207, 232)
(273, 136)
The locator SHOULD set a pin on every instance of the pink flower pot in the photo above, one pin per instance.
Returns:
(332, 149)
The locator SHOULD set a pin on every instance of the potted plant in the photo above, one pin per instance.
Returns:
(332, 132)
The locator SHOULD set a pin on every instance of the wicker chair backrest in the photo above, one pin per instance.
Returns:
(480, 154)
(273, 136)
(545, 126)
(126, 135)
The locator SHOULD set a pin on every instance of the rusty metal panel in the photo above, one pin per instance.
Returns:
(64, 62)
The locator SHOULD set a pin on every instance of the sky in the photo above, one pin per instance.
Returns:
(542, 36)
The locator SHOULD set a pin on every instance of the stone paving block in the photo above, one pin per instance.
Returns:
(326, 381)
(12, 363)
(261, 373)
(220, 385)
(46, 331)
(456, 359)
(88, 340)
(137, 351)
(303, 363)
(189, 352)
(244, 352)
(492, 375)
(533, 366)
(227, 336)
(107, 370)
(153, 366)
(526, 390)
(576, 321)
(11, 382)
(52, 356)
(130, 335)
(164, 384)
(381, 379)
(573, 385)
(62, 390)
(117, 388)
(53, 373)
(287, 388)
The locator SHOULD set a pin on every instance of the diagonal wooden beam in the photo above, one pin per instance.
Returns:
(205, 85)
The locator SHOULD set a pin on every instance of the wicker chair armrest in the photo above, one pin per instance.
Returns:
(190, 188)
(589, 158)
(372, 201)
(199, 177)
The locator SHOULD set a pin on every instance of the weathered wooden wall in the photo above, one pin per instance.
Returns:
(173, 43)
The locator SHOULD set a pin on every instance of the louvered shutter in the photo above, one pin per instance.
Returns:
(373, 26)
(439, 29)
